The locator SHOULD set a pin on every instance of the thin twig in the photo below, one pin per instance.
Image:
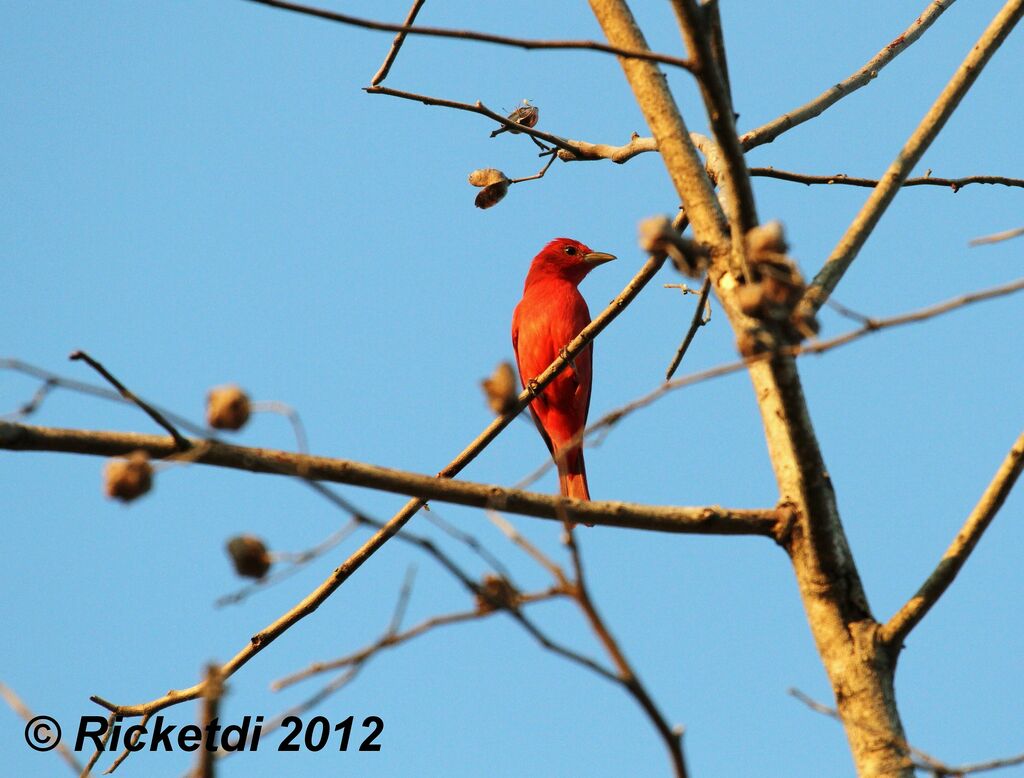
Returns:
(535, 176)
(696, 323)
(907, 617)
(283, 409)
(292, 564)
(501, 40)
(531, 550)
(32, 404)
(396, 44)
(864, 224)
(179, 442)
(477, 108)
(213, 690)
(471, 542)
(766, 133)
(87, 771)
(923, 760)
(627, 677)
(737, 194)
(997, 237)
(955, 184)
(19, 707)
(132, 742)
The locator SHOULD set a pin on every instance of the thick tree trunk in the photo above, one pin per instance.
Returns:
(860, 670)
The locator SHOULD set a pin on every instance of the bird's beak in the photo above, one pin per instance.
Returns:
(595, 258)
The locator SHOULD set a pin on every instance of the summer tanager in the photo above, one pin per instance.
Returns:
(552, 313)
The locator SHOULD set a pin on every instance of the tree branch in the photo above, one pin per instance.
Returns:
(396, 44)
(841, 178)
(998, 237)
(766, 133)
(682, 162)
(910, 615)
(501, 40)
(850, 244)
(701, 520)
(734, 183)
(626, 675)
(480, 108)
(179, 442)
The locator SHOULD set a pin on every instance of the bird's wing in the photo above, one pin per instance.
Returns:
(539, 403)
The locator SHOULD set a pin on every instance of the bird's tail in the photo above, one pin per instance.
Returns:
(572, 476)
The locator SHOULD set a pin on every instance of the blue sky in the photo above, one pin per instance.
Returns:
(200, 193)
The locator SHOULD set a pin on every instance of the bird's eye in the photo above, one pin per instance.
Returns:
(570, 250)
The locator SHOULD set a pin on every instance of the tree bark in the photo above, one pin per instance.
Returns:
(846, 634)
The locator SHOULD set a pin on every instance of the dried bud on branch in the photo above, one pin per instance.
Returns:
(494, 183)
(500, 389)
(129, 478)
(249, 555)
(496, 593)
(227, 408)
(657, 237)
(775, 285)
(527, 115)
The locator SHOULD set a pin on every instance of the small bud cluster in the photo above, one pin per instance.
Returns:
(494, 185)
(501, 389)
(496, 593)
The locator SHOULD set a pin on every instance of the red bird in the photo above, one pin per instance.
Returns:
(552, 313)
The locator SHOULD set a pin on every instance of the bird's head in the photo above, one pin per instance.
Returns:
(568, 259)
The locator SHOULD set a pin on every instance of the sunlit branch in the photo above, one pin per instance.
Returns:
(766, 133)
(907, 617)
(862, 226)
(483, 37)
(956, 184)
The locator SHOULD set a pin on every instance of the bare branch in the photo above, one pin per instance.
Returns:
(626, 675)
(87, 771)
(582, 150)
(701, 520)
(907, 617)
(293, 564)
(478, 108)
(923, 760)
(501, 40)
(766, 133)
(396, 44)
(179, 442)
(213, 690)
(850, 244)
(998, 237)
(736, 192)
(661, 112)
(956, 184)
(696, 323)
(392, 639)
(19, 707)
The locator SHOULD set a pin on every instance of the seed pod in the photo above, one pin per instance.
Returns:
(129, 478)
(526, 115)
(227, 408)
(491, 195)
(486, 176)
(249, 555)
(496, 593)
(500, 389)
